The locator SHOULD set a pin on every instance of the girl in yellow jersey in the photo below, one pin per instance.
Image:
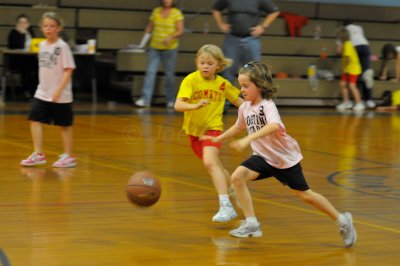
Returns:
(201, 97)
(350, 74)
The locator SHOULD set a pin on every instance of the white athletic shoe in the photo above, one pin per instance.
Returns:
(225, 214)
(370, 104)
(359, 107)
(247, 229)
(347, 230)
(141, 103)
(344, 106)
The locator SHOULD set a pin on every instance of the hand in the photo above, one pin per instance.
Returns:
(257, 31)
(201, 104)
(56, 96)
(240, 144)
(167, 40)
(225, 28)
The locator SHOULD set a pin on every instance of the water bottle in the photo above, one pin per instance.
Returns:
(312, 77)
(317, 32)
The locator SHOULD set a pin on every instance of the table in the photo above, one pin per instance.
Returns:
(90, 58)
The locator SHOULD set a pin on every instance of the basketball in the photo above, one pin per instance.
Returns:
(143, 189)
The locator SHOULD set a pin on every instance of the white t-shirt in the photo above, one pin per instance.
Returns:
(357, 35)
(53, 59)
(278, 149)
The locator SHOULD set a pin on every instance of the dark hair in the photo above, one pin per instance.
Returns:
(173, 3)
(389, 51)
(261, 75)
(347, 21)
(343, 34)
(22, 16)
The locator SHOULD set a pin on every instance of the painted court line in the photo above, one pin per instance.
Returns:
(128, 170)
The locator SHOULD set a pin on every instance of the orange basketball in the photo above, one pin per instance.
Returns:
(143, 189)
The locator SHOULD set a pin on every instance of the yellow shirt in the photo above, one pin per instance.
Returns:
(195, 88)
(396, 98)
(350, 55)
(163, 27)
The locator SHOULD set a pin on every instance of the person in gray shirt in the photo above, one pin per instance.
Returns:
(246, 22)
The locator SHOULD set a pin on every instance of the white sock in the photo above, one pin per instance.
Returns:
(224, 200)
(252, 220)
(341, 219)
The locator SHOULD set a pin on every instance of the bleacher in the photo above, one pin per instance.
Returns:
(121, 22)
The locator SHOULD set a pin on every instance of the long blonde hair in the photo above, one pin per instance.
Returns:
(217, 54)
(260, 74)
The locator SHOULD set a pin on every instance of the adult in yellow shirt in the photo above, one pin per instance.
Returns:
(201, 97)
(166, 26)
(350, 73)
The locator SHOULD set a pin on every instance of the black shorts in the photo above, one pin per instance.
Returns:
(292, 176)
(59, 114)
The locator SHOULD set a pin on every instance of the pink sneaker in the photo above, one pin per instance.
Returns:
(36, 158)
(65, 161)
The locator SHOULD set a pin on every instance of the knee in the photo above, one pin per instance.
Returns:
(209, 165)
(304, 196)
(237, 180)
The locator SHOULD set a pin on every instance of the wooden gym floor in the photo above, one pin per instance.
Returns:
(81, 216)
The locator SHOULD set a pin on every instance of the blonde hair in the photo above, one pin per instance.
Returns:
(53, 16)
(217, 54)
(261, 75)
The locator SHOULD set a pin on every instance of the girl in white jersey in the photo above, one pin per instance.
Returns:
(275, 153)
(52, 102)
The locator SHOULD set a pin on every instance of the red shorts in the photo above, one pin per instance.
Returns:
(198, 145)
(352, 79)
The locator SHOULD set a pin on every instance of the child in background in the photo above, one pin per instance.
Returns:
(52, 103)
(390, 101)
(351, 71)
(275, 153)
(201, 97)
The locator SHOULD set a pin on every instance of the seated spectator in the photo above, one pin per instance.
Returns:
(390, 51)
(390, 101)
(20, 38)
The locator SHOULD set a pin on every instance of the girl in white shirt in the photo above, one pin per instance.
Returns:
(52, 103)
(275, 153)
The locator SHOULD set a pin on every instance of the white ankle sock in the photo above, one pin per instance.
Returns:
(341, 219)
(252, 220)
(224, 200)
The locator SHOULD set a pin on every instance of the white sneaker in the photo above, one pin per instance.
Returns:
(141, 103)
(247, 229)
(35, 158)
(370, 104)
(359, 107)
(344, 106)
(347, 230)
(65, 161)
(225, 214)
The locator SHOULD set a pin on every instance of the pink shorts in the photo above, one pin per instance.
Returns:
(352, 79)
(198, 145)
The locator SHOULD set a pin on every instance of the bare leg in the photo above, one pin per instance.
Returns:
(384, 70)
(356, 93)
(240, 177)
(345, 93)
(66, 136)
(214, 167)
(319, 202)
(37, 135)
